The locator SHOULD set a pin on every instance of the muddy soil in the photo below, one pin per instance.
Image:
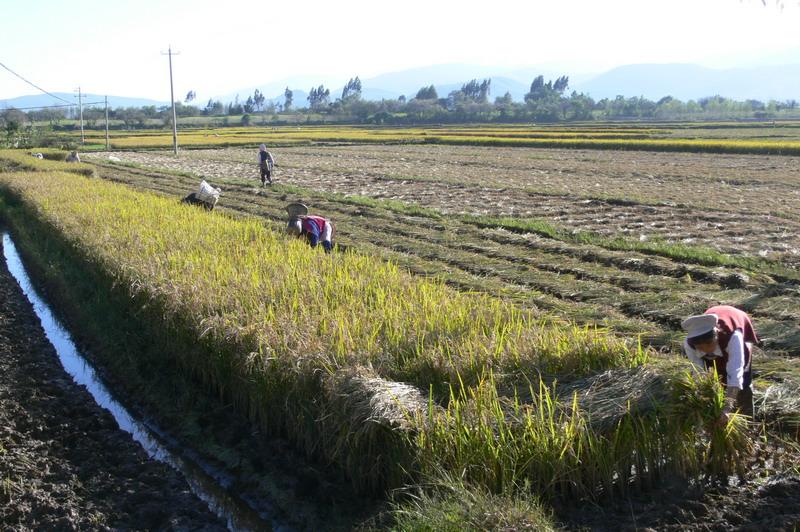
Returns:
(772, 505)
(64, 463)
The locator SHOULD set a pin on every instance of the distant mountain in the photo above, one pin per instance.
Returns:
(408, 82)
(37, 100)
(690, 82)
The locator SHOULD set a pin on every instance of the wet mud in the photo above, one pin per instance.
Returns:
(64, 462)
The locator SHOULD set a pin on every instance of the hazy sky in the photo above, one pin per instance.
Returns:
(114, 46)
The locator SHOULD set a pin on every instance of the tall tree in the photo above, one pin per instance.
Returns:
(352, 90)
(288, 96)
(258, 100)
(319, 98)
(477, 92)
(561, 84)
(427, 93)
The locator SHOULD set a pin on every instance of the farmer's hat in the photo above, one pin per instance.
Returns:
(296, 210)
(699, 325)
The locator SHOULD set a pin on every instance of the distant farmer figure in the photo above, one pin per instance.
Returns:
(265, 164)
(723, 338)
(73, 157)
(314, 228)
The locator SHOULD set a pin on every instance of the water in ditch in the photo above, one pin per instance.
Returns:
(237, 513)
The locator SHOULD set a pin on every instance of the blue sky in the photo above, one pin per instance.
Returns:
(114, 47)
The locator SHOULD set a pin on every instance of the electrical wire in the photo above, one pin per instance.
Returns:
(34, 85)
(53, 106)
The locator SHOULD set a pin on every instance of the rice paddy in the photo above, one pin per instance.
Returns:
(530, 355)
(753, 138)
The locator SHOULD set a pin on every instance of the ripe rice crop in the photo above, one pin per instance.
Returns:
(600, 136)
(53, 161)
(686, 145)
(304, 342)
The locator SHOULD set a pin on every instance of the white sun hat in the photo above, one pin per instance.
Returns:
(699, 325)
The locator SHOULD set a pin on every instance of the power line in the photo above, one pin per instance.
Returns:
(33, 84)
(51, 106)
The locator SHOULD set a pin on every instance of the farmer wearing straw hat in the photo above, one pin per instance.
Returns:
(316, 229)
(723, 338)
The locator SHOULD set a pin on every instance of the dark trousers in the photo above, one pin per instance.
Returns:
(744, 401)
(266, 174)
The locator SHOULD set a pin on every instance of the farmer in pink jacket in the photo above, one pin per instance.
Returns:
(316, 229)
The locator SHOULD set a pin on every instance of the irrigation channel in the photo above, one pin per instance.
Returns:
(204, 482)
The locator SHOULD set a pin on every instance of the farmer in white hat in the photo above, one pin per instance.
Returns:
(723, 338)
(316, 229)
(265, 164)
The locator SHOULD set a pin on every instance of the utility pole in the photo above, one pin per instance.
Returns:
(80, 106)
(172, 97)
(107, 144)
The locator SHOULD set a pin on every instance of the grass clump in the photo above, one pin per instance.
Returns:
(452, 506)
(698, 403)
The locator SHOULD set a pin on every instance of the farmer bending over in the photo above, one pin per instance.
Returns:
(723, 338)
(314, 228)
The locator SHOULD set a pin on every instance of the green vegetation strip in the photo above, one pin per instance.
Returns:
(389, 376)
(691, 254)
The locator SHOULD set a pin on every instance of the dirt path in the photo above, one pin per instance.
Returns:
(64, 463)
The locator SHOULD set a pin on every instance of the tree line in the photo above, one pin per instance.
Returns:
(547, 101)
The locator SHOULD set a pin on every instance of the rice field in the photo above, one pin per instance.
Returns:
(53, 160)
(755, 138)
(520, 339)
(532, 226)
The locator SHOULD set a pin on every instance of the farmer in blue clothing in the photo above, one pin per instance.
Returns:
(316, 229)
